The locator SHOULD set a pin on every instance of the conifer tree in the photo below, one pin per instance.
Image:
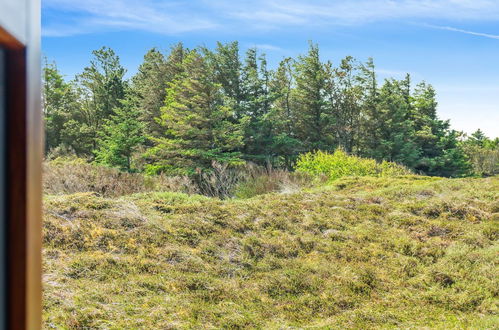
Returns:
(150, 83)
(344, 100)
(396, 142)
(369, 124)
(441, 153)
(225, 64)
(121, 134)
(59, 105)
(101, 88)
(282, 114)
(255, 105)
(199, 127)
(312, 118)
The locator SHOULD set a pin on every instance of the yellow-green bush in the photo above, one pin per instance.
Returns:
(339, 164)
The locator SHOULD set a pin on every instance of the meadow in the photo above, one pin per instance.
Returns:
(398, 251)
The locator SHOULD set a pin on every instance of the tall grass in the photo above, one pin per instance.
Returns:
(259, 180)
(408, 252)
(339, 164)
(71, 175)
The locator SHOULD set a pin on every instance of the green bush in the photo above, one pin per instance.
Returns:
(340, 164)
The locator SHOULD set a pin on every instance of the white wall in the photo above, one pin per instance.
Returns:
(13, 15)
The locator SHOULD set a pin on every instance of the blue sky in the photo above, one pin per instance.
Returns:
(452, 44)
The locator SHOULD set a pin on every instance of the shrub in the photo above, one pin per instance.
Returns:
(72, 175)
(220, 181)
(340, 164)
(485, 162)
(259, 180)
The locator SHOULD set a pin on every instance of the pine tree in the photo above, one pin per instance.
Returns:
(441, 153)
(150, 83)
(59, 105)
(284, 142)
(121, 134)
(478, 138)
(311, 115)
(396, 141)
(225, 64)
(199, 127)
(255, 105)
(344, 101)
(369, 124)
(101, 89)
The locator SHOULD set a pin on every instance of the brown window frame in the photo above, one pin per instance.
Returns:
(23, 188)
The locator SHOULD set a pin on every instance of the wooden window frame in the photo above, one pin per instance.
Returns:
(23, 188)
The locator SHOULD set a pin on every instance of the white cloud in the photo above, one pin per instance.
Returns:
(292, 12)
(88, 16)
(449, 28)
(267, 47)
(175, 16)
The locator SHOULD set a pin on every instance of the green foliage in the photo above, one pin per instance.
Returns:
(204, 105)
(312, 120)
(76, 111)
(120, 136)
(149, 84)
(483, 153)
(340, 164)
(59, 106)
(258, 135)
(285, 145)
(199, 127)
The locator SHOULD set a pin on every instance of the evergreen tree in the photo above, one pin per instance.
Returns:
(396, 141)
(440, 151)
(282, 115)
(255, 105)
(482, 153)
(226, 67)
(102, 87)
(59, 104)
(344, 100)
(121, 134)
(199, 127)
(369, 124)
(478, 138)
(150, 83)
(312, 119)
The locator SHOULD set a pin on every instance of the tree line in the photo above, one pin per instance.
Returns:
(186, 108)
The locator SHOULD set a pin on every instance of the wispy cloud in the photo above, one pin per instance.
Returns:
(267, 47)
(453, 29)
(66, 17)
(292, 12)
(69, 17)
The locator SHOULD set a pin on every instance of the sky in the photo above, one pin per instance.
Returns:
(452, 44)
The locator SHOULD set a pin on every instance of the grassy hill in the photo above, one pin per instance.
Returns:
(361, 253)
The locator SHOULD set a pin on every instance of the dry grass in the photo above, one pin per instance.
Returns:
(259, 180)
(67, 176)
(409, 252)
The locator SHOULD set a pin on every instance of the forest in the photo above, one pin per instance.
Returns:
(187, 108)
